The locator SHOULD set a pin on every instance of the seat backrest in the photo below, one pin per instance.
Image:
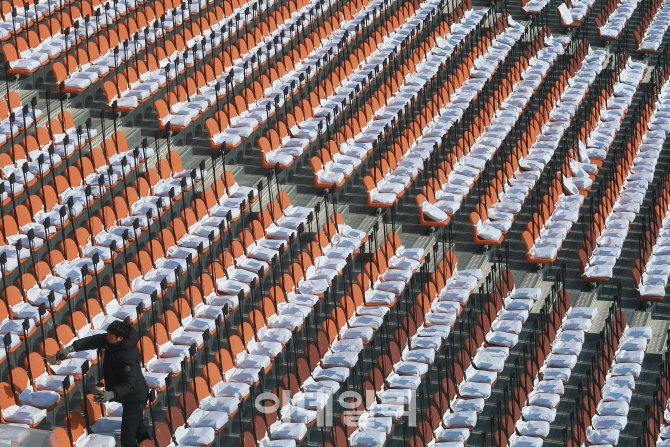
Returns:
(20, 379)
(65, 333)
(74, 422)
(169, 319)
(92, 409)
(199, 388)
(146, 347)
(59, 438)
(187, 402)
(175, 161)
(174, 417)
(161, 109)
(212, 127)
(368, 183)
(9, 51)
(60, 73)
(162, 434)
(158, 333)
(527, 240)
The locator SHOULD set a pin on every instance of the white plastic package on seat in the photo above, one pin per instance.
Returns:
(462, 419)
(455, 435)
(524, 441)
(194, 436)
(602, 437)
(533, 428)
(546, 400)
(537, 413)
(367, 438)
(609, 422)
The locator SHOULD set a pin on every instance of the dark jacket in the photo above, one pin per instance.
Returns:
(122, 366)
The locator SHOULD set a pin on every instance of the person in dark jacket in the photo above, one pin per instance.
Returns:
(124, 381)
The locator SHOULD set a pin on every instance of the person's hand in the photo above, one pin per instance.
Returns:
(103, 397)
(63, 353)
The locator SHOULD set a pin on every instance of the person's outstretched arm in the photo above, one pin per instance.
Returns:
(93, 342)
(85, 344)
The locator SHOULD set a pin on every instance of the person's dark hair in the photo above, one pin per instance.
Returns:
(120, 329)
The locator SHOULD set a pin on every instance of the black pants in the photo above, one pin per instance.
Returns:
(133, 430)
